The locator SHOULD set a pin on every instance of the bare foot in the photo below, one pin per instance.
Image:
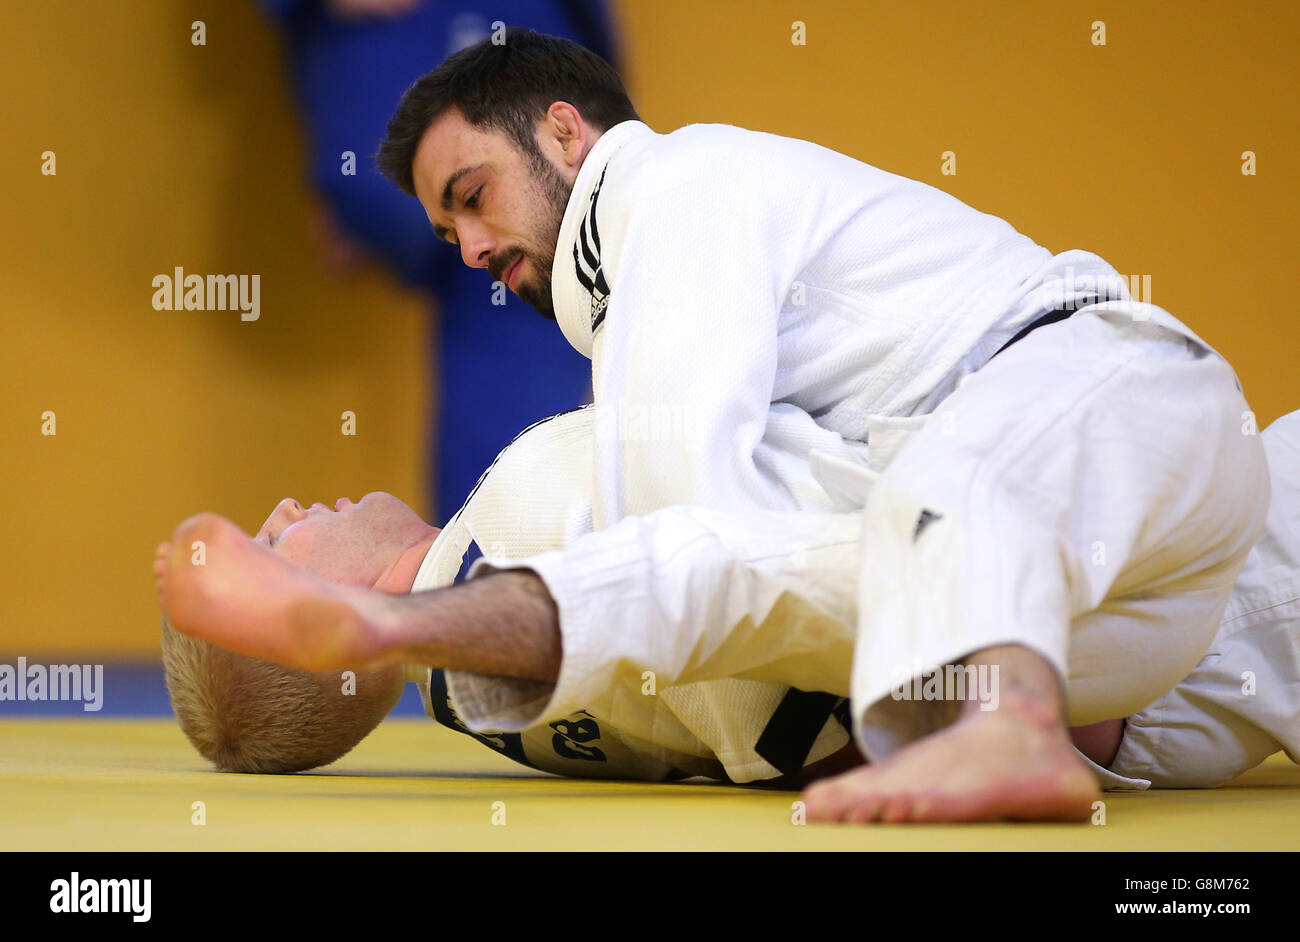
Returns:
(1012, 763)
(244, 597)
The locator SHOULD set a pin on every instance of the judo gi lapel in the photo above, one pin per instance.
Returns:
(586, 260)
(579, 284)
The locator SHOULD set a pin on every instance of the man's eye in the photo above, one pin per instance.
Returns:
(472, 202)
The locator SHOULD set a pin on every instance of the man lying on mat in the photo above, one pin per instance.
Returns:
(245, 714)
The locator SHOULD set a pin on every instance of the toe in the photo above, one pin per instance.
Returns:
(823, 802)
(922, 808)
(866, 807)
(897, 808)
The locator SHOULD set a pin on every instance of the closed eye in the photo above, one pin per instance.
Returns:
(470, 202)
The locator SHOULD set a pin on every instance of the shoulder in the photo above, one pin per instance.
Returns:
(652, 162)
(693, 152)
(721, 166)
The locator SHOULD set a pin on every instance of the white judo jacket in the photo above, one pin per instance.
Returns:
(734, 288)
(714, 272)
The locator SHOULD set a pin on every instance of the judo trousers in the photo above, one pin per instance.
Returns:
(1091, 493)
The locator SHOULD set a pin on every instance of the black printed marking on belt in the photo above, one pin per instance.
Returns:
(794, 727)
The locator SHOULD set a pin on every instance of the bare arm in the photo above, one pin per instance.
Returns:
(503, 624)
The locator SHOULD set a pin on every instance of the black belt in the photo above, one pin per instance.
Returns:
(1051, 317)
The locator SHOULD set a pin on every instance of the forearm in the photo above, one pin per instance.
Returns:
(504, 624)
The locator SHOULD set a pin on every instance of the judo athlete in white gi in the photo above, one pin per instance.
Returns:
(1055, 481)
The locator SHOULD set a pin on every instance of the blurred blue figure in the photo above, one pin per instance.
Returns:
(497, 368)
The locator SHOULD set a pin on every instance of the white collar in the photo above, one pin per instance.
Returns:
(572, 310)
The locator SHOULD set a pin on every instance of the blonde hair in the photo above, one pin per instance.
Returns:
(248, 715)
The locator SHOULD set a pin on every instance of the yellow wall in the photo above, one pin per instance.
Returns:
(172, 155)
(1131, 150)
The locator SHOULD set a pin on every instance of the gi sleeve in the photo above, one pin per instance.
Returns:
(684, 595)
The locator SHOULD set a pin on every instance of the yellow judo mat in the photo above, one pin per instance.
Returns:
(412, 785)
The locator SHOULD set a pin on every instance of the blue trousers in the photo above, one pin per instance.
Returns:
(496, 369)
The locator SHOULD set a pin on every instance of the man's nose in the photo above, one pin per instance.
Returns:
(289, 509)
(476, 245)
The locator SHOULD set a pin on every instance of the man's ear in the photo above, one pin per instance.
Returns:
(565, 136)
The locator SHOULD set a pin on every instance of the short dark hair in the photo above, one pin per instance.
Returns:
(508, 87)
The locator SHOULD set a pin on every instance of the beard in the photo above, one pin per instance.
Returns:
(554, 192)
